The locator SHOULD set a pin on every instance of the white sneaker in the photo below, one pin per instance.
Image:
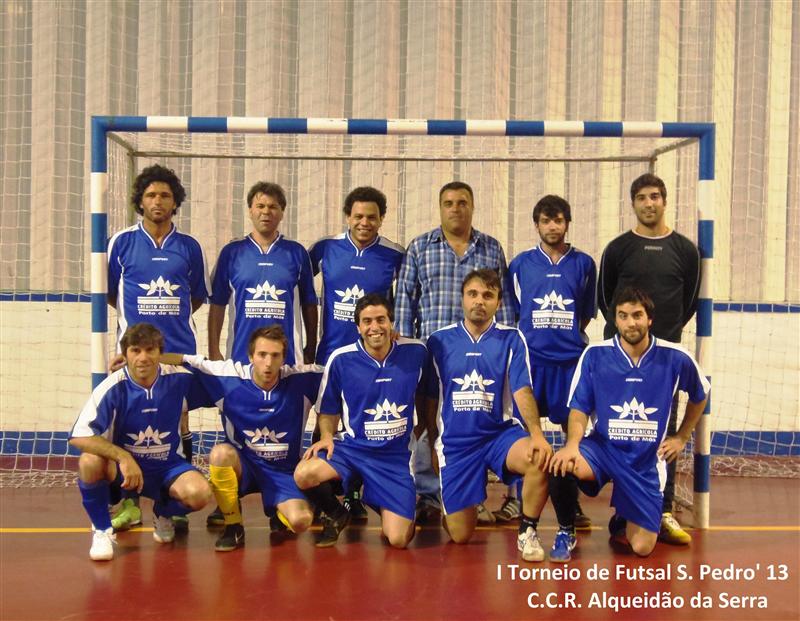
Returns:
(531, 547)
(484, 515)
(163, 529)
(102, 544)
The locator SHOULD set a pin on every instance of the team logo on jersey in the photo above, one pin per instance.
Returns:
(267, 444)
(553, 312)
(388, 421)
(148, 444)
(633, 422)
(159, 299)
(344, 309)
(473, 394)
(266, 302)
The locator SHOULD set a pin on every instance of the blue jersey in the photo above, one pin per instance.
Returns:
(157, 284)
(375, 399)
(143, 421)
(348, 273)
(551, 300)
(630, 403)
(477, 380)
(266, 425)
(268, 286)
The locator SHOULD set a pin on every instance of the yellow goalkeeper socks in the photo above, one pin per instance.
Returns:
(226, 491)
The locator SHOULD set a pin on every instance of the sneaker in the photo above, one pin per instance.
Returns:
(671, 531)
(230, 539)
(531, 547)
(511, 510)
(563, 545)
(484, 515)
(616, 526)
(181, 523)
(428, 510)
(356, 508)
(331, 528)
(127, 515)
(102, 544)
(163, 529)
(215, 519)
(581, 519)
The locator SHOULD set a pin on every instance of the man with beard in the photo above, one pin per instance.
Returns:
(627, 385)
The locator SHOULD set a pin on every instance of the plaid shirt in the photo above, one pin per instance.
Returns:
(429, 284)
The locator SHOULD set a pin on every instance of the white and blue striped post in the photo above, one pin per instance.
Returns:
(704, 132)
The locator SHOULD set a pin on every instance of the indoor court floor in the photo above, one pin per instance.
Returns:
(47, 574)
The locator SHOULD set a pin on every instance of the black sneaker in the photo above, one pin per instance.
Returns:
(581, 519)
(276, 525)
(230, 539)
(356, 508)
(215, 519)
(428, 510)
(616, 526)
(331, 528)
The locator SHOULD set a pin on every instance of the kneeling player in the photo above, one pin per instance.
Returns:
(371, 385)
(627, 384)
(480, 365)
(129, 438)
(264, 406)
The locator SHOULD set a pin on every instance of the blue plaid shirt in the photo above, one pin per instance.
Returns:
(429, 284)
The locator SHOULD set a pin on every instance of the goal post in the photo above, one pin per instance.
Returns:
(702, 133)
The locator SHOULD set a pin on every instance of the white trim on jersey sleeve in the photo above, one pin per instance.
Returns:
(703, 380)
(82, 428)
(577, 375)
(324, 382)
(388, 243)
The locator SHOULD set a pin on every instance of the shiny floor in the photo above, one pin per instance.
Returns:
(46, 572)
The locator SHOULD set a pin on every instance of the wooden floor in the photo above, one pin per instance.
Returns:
(47, 574)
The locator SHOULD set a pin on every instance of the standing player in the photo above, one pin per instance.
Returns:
(267, 279)
(666, 265)
(156, 274)
(371, 384)
(554, 288)
(353, 263)
(429, 295)
(627, 384)
(481, 366)
(264, 406)
(128, 436)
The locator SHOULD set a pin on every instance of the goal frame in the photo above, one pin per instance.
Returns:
(703, 133)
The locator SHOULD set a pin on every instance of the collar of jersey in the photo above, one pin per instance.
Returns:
(547, 256)
(478, 340)
(664, 236)
(618, 345)
(360, 251)
(381, 364)
(138, 385)
(153, 241)
(258, 246)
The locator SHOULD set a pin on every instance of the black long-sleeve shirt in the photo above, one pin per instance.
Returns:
(667, 268)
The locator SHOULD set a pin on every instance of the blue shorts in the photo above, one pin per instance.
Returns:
(462, 471)
(157, 481)
(387, 475)
(275, 486)
(551, 390)
(637, 495)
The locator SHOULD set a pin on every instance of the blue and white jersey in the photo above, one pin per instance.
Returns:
(630, 403)
(476, 380)
(143, 421)
(375, 399)
(551, 300)
(157, 284)
(264, 287)
(348, 273)
(267, 425)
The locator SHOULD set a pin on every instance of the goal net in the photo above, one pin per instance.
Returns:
(507, 173)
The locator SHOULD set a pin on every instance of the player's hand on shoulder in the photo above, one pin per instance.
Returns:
(116, 363)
